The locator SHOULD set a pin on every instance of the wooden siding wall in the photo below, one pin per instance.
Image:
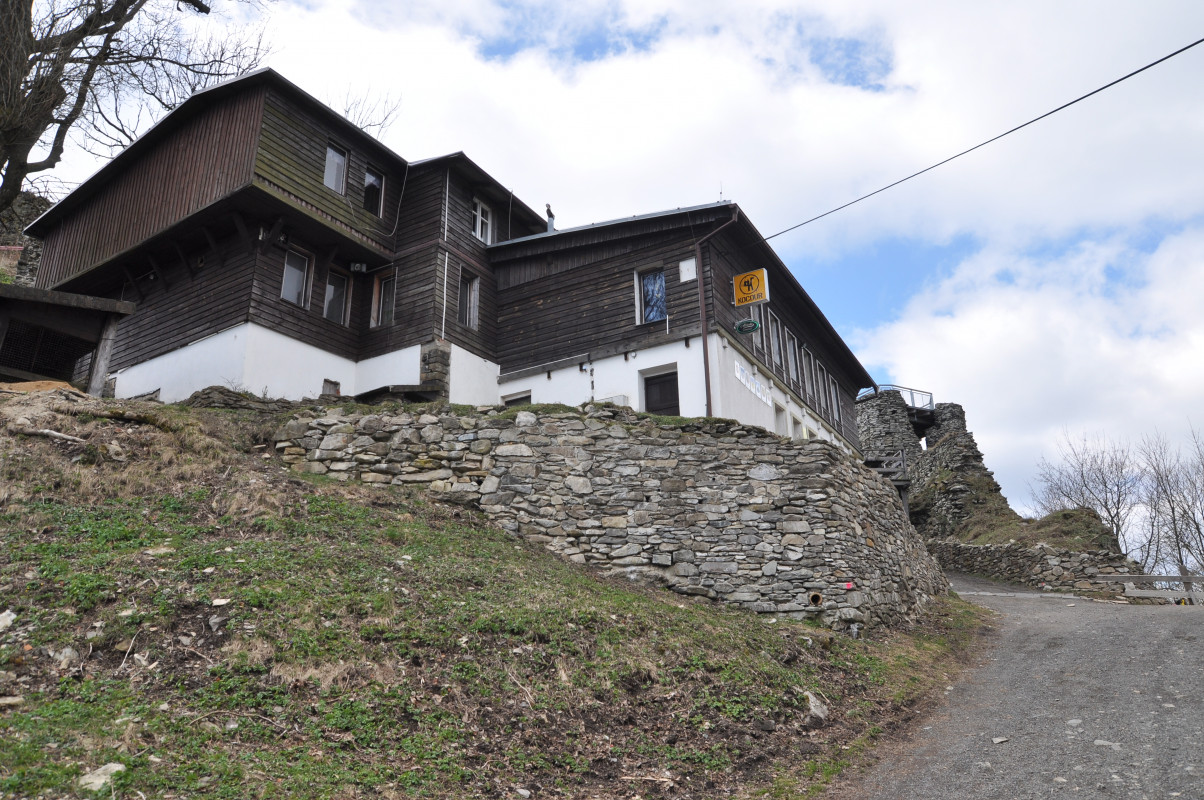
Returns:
(306, 324)
(592, 306)
(727, 258)
(207, 158)
(292, 155)
(195, 306)
(415, 294)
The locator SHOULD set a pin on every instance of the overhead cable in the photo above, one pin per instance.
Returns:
(992, 139)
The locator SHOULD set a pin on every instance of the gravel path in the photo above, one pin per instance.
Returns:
(1078, 699)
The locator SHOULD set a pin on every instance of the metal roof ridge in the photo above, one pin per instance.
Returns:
(620, 220)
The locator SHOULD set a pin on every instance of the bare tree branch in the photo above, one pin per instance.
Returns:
(372, 113)
(102, 69)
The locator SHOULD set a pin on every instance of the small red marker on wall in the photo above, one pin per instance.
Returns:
(849, 585)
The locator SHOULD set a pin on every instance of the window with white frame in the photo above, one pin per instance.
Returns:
(470, 298)
(336, 168)
(374, 190)
(382, 300)
(295, 286)
(651, 302)
(775, 340)
(334, 307)
(792, 365)
(809, 377)
(482, 221)
(835, 398)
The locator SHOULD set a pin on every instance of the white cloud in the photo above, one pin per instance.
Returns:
(1031, 346)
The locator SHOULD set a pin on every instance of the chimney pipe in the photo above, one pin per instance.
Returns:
(551, 219)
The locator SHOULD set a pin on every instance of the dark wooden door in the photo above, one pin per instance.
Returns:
(660, 394)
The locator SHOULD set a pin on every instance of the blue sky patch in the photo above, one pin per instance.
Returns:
(852, 62)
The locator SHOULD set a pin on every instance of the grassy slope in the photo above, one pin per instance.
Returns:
(375, 645)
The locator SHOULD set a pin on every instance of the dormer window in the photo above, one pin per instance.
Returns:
(336, 168)
(482, 221)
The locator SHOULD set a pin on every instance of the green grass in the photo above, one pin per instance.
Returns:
(376, 644)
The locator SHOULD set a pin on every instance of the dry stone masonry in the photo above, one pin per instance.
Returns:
(1042, 566)
(712, 508)
(953, 494)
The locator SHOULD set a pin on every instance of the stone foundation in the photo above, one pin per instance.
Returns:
(713, 509)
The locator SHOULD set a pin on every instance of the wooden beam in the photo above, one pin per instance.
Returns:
(129, 276)
(101, 357)
(272, 235)
(213, 248)
(27, 376)
(324, 262)
(183, 260)
(243, 233)
(66, 299)
(155, 268)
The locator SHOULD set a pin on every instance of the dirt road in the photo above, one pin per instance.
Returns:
(1078, 699)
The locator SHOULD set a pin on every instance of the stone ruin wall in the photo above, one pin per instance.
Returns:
(1042, 567)
(950, 484)
(713, 509)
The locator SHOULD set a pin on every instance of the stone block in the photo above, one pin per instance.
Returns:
(718, 567)
(513, 450)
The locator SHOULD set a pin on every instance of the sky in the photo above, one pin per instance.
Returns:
(1050, 283)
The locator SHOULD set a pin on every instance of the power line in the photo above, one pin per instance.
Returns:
(992, 139)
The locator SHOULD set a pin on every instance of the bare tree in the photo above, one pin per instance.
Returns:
(372, 113)
(1174, 501)
(1094, 473)
(103, 67)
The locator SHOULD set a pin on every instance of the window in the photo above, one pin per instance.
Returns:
(295, 286)
(336, 168)
(775, 340)
(470, 295)
(482, 221)
(792, 370)
(335, 306)
(821, 388)
(382, 300)
(521, 399)
(650, 297)
(809, 363)
(835, 398)
(374, 190)
(780, 421)
(660, 394)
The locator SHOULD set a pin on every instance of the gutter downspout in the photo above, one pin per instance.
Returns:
(702, 307)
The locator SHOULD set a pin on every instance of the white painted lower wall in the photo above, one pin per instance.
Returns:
(217, 360)
(472, 380)
(620, 379)
(742, 390)
(255, 359)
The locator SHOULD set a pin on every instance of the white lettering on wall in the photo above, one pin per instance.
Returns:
(755, 386)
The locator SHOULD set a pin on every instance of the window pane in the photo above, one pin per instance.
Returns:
(374, 186)
(384, 311)
(775, 339)
(336, 168)
(469, 293)
(482, 220)
(296, 272)
(336, 298)
(652, 290)
(792, 357)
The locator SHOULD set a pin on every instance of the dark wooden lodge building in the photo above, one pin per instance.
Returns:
(270, 245)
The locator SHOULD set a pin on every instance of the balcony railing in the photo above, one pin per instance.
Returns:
(912, 397)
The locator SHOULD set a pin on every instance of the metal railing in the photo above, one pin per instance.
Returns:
(914, 398)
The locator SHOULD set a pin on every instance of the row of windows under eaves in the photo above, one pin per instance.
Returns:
(335, 178)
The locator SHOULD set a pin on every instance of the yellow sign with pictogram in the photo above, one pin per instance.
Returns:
(751, 288)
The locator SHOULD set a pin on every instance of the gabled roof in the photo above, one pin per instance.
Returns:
(620, 221)
(466, 166)
(198, 102)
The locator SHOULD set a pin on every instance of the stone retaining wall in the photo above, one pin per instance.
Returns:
(1042, 566)
(713, 509)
